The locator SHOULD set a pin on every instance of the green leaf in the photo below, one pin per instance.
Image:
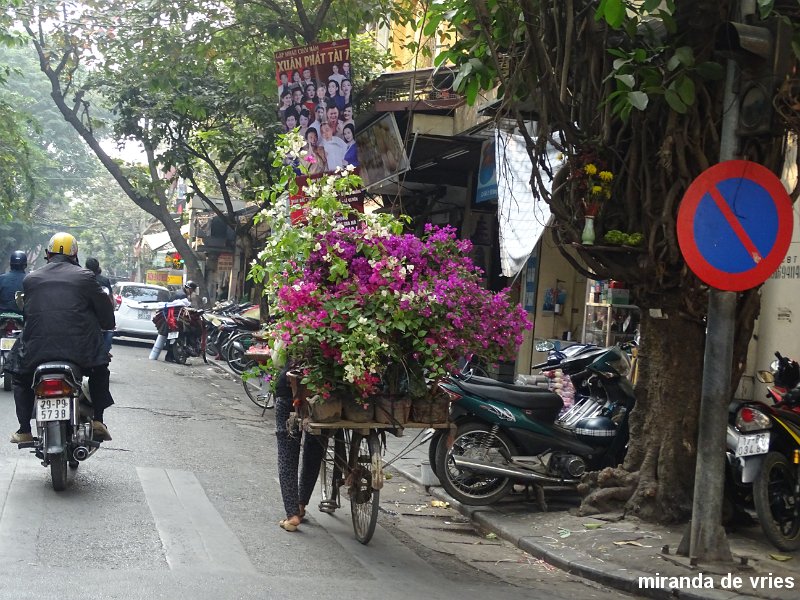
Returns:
(626, 80)
(673, 63)
(472, 91)
(638, 100)
(592, 525)
(711, 70)
(650, 5)
(686, 90)
(615, 13)
(685, 54)
(765, 8)
(675, 102)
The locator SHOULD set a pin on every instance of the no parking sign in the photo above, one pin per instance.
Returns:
(735, 225)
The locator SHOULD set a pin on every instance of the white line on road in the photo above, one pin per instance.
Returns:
(193, 532)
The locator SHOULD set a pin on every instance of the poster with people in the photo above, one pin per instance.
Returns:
(315, 96)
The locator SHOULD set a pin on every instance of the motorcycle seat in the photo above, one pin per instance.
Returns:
(520, 396)
(248, 323)
(71, 370)
(509, 386)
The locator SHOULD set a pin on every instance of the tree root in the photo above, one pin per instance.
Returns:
(607, 490)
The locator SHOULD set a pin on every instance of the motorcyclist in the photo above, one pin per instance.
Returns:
(65, 310)
(186, 296)
(189, 291)
(94, 266)
(11, 282)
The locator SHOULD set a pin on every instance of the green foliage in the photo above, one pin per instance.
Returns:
(619, 238)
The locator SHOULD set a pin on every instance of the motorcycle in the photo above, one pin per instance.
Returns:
(508, 434)
(184, 330)
(63, 414)
(10, 328)
(763, 454)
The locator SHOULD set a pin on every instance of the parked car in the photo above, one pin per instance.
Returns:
(134, 306)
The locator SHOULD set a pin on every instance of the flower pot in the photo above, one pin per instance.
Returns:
(392, 410)
(326, 411)
(358, 410)
(430, 409)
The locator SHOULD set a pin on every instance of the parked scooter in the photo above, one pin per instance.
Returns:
(182, 330)
(763, 454)
(508, 434)
(63, 414)
(10, 329)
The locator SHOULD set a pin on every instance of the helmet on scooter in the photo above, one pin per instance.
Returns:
(62, 243)
(596, 431)
(787, 373)
(18, 260)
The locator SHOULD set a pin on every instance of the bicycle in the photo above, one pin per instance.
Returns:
(354, 459)
(259, 390)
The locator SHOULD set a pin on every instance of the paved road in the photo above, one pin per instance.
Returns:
(184, 503)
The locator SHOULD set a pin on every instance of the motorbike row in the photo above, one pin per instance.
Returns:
(62, 404)
(508, 434)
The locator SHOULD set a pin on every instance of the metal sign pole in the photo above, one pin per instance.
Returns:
(707, 540)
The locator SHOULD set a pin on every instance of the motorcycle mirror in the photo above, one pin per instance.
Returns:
(544, 345)
(765, 377)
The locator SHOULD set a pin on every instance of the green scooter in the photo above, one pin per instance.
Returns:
(510, 434)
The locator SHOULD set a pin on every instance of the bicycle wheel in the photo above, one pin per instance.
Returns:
(363, 466)
(330, 474)
(259, 391)
(237, 346)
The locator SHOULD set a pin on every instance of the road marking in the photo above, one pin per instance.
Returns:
(192, 531)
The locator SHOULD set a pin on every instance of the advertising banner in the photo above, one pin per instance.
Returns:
(487, 174)
(315, 94)
(297, 201)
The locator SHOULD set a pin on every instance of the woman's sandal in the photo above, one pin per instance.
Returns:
(287, 525)
(302, 514)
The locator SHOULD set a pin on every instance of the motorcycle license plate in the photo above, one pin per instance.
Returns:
(143, 313)
(173, 335)
(53, 409)
(750, 445)
(7, 343)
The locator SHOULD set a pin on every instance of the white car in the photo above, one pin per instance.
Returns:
(134, 306)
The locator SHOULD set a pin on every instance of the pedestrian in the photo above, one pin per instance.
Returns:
(296, 480)
(65, 310)
(11, 282)
(94, 266)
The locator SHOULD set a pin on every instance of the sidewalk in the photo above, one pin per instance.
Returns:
(626, 554)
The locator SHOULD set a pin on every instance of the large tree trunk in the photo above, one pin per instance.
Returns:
(657, 479)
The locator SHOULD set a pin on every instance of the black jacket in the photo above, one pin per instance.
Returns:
(10, 284)
(65, 310)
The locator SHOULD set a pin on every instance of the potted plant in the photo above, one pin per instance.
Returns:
(368, 310)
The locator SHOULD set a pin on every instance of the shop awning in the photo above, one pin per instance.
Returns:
(159, 241)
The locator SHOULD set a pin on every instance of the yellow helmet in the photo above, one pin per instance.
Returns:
(63, 243)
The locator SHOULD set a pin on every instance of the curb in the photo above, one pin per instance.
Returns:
(568, 560)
